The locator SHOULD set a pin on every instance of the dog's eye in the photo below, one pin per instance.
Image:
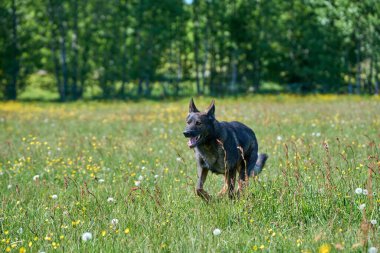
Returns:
(198, 123)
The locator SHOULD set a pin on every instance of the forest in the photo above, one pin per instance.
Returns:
(121, 49)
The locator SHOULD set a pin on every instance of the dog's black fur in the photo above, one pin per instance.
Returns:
(222, 148)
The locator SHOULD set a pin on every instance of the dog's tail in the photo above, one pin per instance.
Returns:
(260, 163)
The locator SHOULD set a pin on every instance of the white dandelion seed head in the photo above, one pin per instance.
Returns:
(137, 183)
(110, 200)
(101, 180)
(54, 196)
(20, 231)
(217, 231)
(1, 173)
(156, 176)
(114, 222)
(362, 206)
(9, 186)
(372, 250)
(279, 138)
(140, 178)
(86, 236)
(358, 190)
(36, 177)
(179, 159)
(143, 168)
(318, 134)
(373, 222)
(365, 192)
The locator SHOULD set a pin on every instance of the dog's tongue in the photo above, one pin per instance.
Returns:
(192, 141)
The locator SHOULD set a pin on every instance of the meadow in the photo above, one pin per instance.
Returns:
(119, 177)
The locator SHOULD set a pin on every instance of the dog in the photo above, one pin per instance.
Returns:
(222, 148)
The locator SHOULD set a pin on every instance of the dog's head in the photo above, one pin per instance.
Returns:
(199, 125)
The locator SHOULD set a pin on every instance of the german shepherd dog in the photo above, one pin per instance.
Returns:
(222, 148)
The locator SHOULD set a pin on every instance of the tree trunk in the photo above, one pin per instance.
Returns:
(233, 71)
(196, 46)
(358, 68)
(74, 86)
(62, 40)
(11, 87)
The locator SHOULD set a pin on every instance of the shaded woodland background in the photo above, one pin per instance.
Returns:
(148, 48)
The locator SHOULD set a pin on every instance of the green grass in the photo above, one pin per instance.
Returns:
(304, 200)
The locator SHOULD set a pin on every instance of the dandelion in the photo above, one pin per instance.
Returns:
(140, 178)
(372, 250)
(22, 250)
(36, 177)
(373, 222)
(126, 231)
(279, 138)
(86, 236)
(325, 248)
(54, 196)
(365, 192)
(358, 190)
(114, 222)
(217, 232)
(362, 206)
(110, 200)
(137, 183)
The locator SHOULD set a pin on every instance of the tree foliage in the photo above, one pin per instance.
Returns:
(124, 48)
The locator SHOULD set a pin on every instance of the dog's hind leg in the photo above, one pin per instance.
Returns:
(225, 187)
(231, 178)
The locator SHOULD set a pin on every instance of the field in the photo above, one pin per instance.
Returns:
(123, 173)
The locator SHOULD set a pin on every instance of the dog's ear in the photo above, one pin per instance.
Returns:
(211, 109)
(192, 107)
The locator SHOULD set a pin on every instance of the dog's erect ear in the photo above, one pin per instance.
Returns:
(192, 107)
(211, 109)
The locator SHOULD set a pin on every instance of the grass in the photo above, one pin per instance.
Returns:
(321, 149)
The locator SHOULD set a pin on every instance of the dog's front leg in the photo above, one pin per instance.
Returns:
(202, 175)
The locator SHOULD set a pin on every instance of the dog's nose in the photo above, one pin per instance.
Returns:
(187, 134)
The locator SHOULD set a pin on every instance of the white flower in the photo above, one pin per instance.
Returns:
(372, 250)
(143, 168)
(318, 134)
(373, 222)
(1, 173)
(86, 236)
(9, 186)
(217, 231)
(36, 177)
(156, 176)
(365, 192)
(140, 178)
(137, 183)
(358, 190)
(362, 206)
(114, 222)
(54, 196)
(20, 230)
(178, 159)
(101, 180)
(279, 138)
(110, 200)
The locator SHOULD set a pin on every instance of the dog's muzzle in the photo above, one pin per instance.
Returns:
(189, 133)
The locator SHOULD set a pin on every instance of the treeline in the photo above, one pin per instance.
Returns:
(124, 48)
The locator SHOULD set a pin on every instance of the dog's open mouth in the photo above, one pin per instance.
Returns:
(193, 141)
